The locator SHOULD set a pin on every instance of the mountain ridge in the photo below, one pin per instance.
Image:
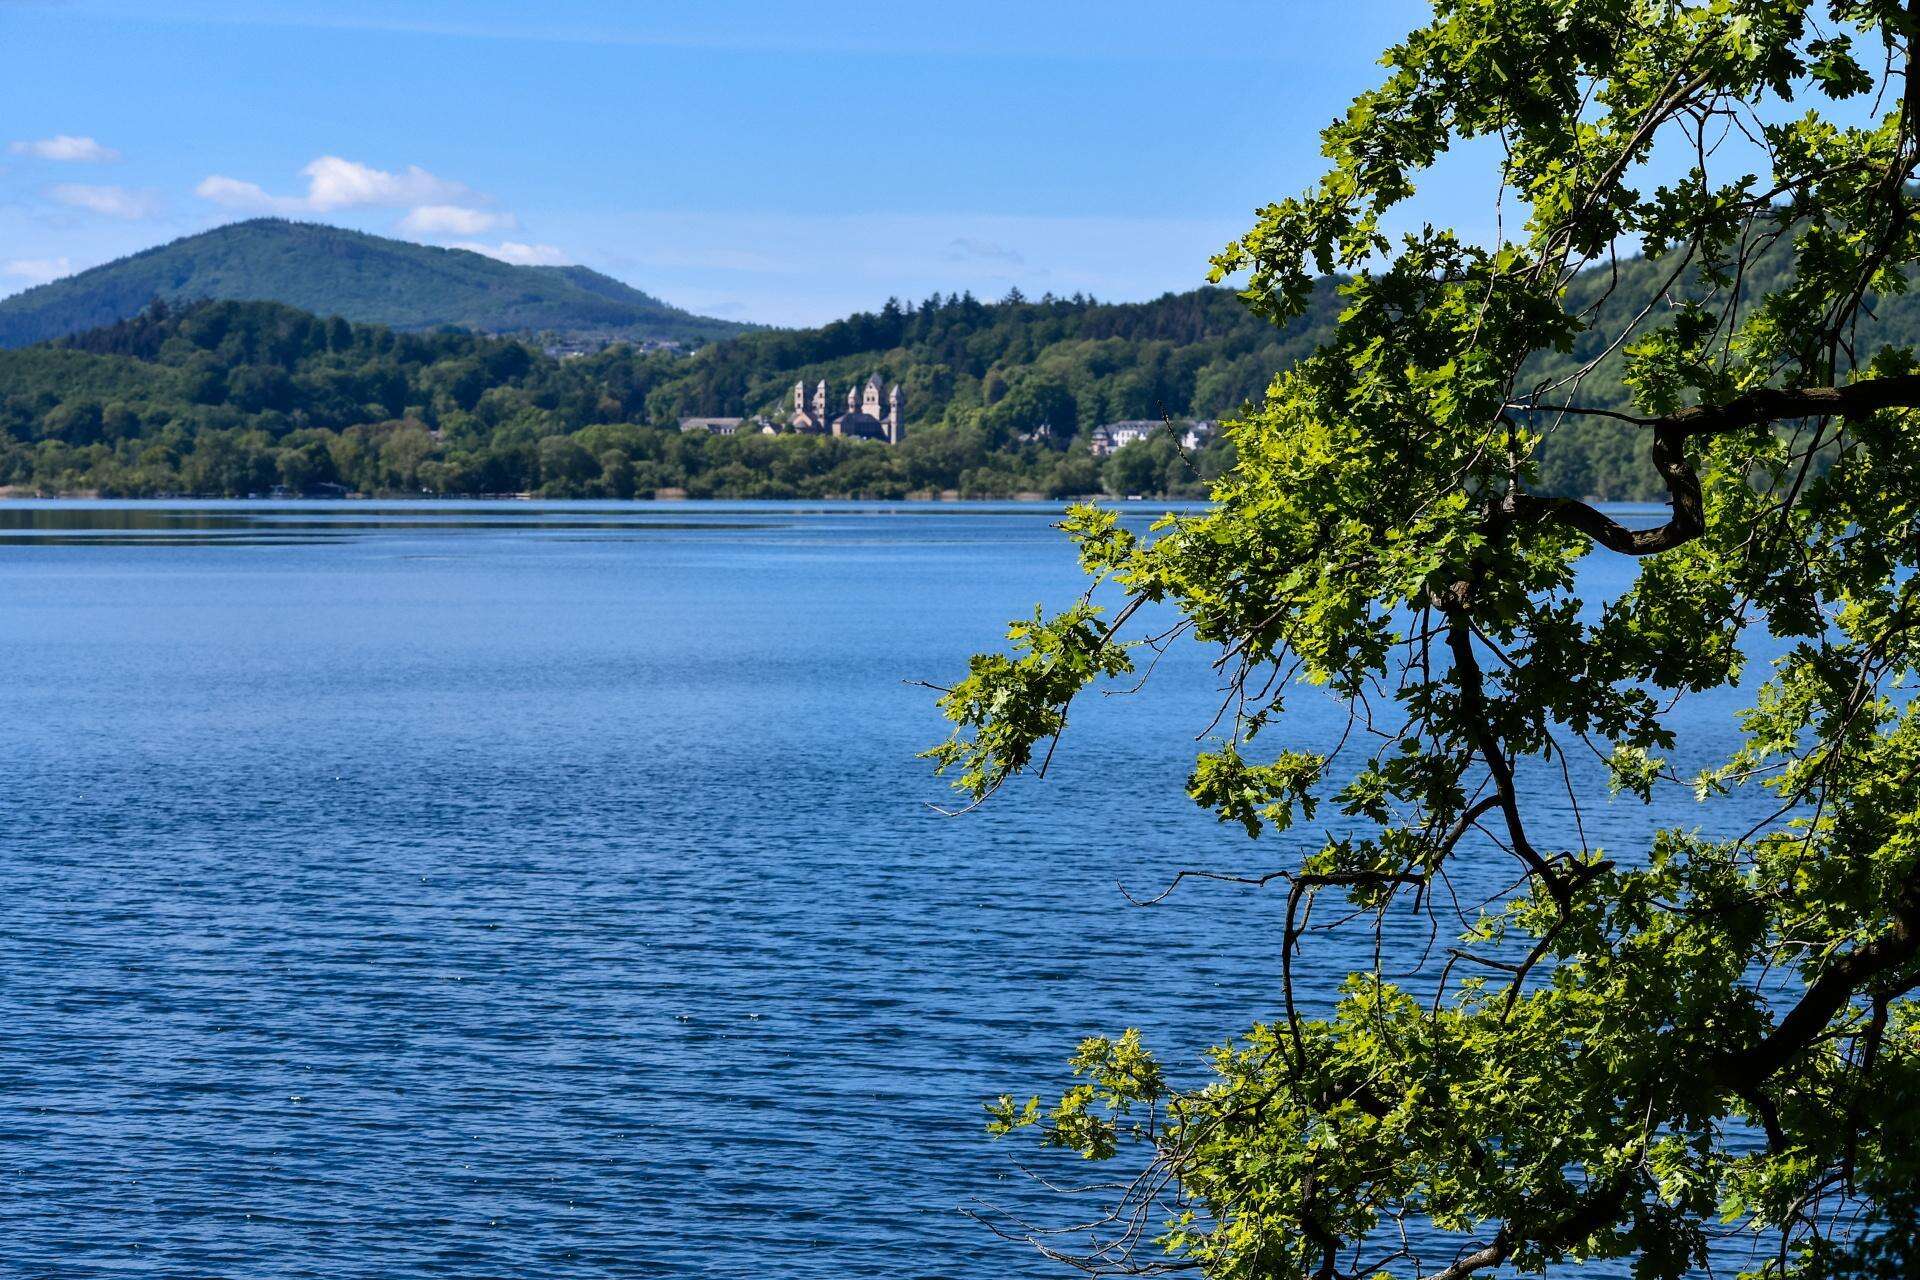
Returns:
(358, 276)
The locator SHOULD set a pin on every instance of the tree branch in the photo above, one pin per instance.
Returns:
(1491, 1256)
(1600, 1207)
(1755, 408)
(1688, 521)
(1474, 709)
(1827, 994)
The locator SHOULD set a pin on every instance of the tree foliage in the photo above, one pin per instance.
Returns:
(1640, 1051)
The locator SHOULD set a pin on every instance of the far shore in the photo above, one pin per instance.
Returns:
(18, 493)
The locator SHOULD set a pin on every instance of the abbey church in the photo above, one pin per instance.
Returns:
(873, 412)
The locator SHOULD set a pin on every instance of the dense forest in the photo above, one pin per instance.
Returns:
(236, 398)
(215, 398)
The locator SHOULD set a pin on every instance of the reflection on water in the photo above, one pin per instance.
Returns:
(254, 523)
(118, 538)
(283, 523)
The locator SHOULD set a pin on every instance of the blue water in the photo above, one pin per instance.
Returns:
(551, 890)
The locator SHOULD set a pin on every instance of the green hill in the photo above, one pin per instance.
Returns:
(1000, 399)
(369, 279)
(231, 397)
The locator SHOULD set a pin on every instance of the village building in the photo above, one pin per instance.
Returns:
(713, 426)
(874, 411)
(1114, 436)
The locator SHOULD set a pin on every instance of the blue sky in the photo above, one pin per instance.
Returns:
(787, 163)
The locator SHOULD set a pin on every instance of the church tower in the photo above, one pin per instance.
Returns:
(870, 399)
(896, 409)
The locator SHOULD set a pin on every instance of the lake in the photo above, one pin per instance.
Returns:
(549, 889)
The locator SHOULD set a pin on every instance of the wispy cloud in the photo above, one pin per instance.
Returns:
(334, 183)
(969, 249)
(65, 147)
(109, 202)
(831, 264)
(231, 193)
(455, 220)
(37, 270)
(520, 255)
(437, 208)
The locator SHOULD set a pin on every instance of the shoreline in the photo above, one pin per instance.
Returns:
(10, 494)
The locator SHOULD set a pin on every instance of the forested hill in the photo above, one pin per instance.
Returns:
(225, 398)
(1072, 363)
(333, 271)
(238, 397)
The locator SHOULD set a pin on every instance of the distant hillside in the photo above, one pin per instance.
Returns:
(1001, 398)
(368, 279)
(240, 397)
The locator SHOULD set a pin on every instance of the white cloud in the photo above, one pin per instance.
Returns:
(65, 146)
(454, 220)
(334, 183)
(232, 193)
(111, 202)
(520, 255)
(37, 270)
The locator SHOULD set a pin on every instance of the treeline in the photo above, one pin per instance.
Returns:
(233, 398)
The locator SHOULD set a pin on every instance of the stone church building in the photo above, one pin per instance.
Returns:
(874, 412)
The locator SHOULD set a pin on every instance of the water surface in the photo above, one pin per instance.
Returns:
(551, 889)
